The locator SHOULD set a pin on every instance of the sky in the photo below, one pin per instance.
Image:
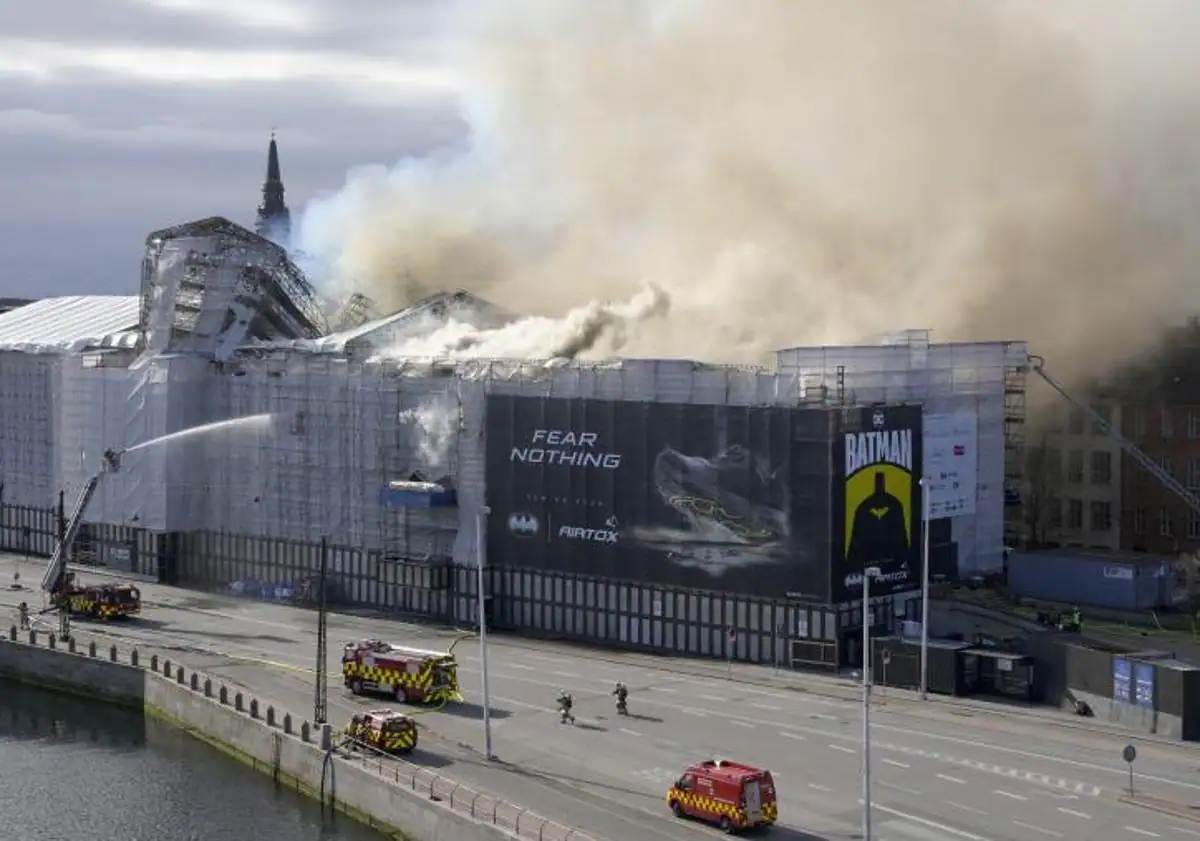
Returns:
(120, 117)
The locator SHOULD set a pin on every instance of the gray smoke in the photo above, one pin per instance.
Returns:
(805, 172)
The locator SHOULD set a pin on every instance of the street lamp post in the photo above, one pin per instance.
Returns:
(927, 508)
(868, 573)
(480, 560)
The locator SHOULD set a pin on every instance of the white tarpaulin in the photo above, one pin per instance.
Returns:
(951, 462)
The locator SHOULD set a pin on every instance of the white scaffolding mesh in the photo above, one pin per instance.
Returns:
(28, 389)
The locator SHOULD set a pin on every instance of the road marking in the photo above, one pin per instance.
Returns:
(1075, 814)
(745, 724)
(766, 707)
(715, 698)
(521, 667)
(1003, 793)
(824, 716)
(912, 791)
(940, 827)
(842, 749)
(693, 711)
(1050, 832)
(1038, 779)
(566, 674)
(630, 732)
(1191, 832)
(662, 689)
(819, 788)
(970, 809)
(950, 779)
(1145, 832)
(795, 736)
(895, 763)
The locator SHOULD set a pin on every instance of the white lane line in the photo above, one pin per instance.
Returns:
(631, 732)
(842, 749)
(693, 711)
(895, 763)
(520, 667)
(795, 736)
(816, 787)
(770, 707)
(911, 791)
(1052, 833)
(1074, 814)
(745, 724)
(940, 827)
(970, 809)
(566, 674)
(823, 716)
(950, 779)
(1004, 793)
(1145, 832)
(716, 699)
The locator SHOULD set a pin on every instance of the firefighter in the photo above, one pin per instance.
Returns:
(622, 699)
(23, 615)
(1076, 620)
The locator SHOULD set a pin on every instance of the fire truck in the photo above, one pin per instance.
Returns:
(383, 730)
(409, 675)
(95, 601)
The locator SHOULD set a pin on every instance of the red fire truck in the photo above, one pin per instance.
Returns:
(401, 672)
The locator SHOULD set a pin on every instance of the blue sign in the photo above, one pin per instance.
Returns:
(1143, 685)
(1122, 680)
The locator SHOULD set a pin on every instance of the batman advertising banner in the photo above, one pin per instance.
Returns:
(719, 498)
(877, 501)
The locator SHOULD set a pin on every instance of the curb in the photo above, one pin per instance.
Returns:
(1163, 807)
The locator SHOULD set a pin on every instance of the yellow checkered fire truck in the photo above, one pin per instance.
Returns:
(96, 601)
(409, 675)
(734, 796)
(385, 730)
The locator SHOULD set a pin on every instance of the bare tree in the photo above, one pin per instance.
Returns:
(1042, 501)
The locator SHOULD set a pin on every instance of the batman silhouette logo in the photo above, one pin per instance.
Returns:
(879, 513)
(523, 525)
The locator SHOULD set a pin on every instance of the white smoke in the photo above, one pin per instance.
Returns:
(434, 424)
(594, 329)
(806, 171)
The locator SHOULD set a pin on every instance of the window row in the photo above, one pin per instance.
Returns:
(1166, 523)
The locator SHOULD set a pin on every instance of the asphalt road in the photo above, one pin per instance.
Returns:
(940, 772)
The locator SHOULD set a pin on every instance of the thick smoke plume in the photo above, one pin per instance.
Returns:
(434, 427)
(802, 172)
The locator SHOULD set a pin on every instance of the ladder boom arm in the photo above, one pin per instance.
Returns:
(62, 550)
(1128, 447)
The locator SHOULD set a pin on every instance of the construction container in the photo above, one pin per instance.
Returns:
(953, 670)
(1118, 581)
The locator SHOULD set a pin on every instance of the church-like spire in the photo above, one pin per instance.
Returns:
(274, 220)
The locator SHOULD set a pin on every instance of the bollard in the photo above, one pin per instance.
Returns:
(33, 637)
(207, 688)
(270, 716)
(254, 708)
(12, 632)
(223, 695)
(154, 662)
(53, 641)
(287, 723)
(166, 668)
(92, 648)
(71, 645)
(181, 675)
(133, 656)
(326, 737)
(112, 653)
(195, 682)
(237, 701)
(305, 734)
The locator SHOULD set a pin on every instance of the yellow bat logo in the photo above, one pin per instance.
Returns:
(879, 512)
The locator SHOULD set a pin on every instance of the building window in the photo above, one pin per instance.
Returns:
(1106, 414)
(1166, 426)
(1193, 474)
(1193, 526)
(1139, 521)
(1075, 422)
(1101, 515)
(1054, 514)
(1165, 527)
(1139, 422)
(1075, 467)
(1075, 514)
(1193, 423)
(1102, 470)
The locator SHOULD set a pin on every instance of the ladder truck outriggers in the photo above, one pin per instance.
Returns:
(94, 601)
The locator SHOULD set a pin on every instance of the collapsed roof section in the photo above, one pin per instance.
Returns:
(210, 286)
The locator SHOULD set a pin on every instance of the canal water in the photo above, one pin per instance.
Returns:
(72, 769)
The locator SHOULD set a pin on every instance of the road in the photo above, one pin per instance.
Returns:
(939, 772)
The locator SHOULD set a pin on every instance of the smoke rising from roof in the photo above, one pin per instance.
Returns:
(802, 172)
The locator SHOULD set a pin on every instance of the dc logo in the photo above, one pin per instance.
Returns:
(878, 419)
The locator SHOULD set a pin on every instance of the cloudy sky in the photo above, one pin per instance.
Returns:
(118, 117)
